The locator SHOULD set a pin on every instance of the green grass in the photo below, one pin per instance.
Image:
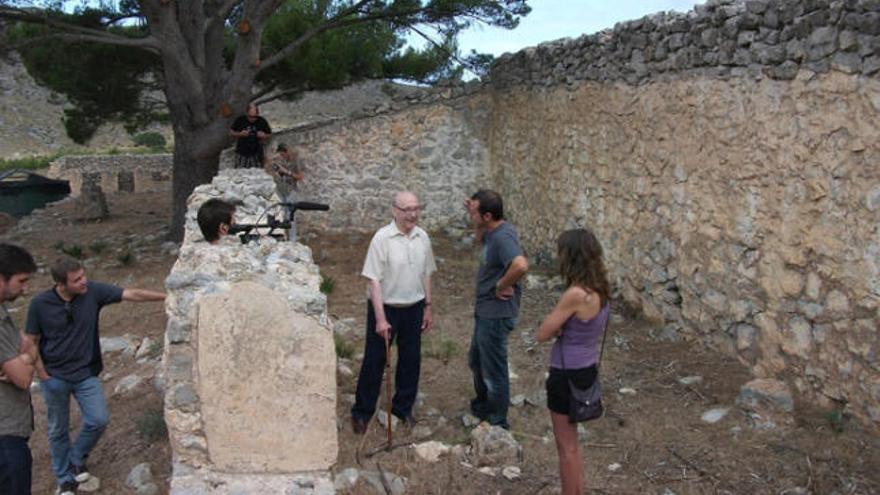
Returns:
(126, 258)
(97, 247)
(151, 425)
(43, 161)
(443, 350)
(74, 251)
(327, 285)
(344, 348)
(28, 163)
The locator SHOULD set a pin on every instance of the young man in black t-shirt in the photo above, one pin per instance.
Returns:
(62, 322)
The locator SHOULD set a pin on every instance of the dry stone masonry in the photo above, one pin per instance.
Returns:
(727, 157)
(114, 173)
(249, 363)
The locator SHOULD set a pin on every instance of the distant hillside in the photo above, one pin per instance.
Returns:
(31, 116)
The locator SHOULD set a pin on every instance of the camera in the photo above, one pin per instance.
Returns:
(244, 229)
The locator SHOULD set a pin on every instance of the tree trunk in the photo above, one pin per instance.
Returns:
(196, 159)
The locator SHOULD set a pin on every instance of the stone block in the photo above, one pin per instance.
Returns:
(267, 383)
(765, 393)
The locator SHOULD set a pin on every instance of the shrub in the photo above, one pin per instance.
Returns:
(152, 140)
(444, 350)
(126, 258)
(151, 425)
(344, 349)
(74, 251)
(97, 247)
(327, 285)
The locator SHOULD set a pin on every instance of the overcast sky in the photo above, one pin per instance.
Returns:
(554, 19)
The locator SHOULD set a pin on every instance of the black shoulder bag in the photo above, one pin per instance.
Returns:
(585, 404)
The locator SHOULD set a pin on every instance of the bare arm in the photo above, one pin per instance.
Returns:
(428, 318)
(382, 326)
(19, 370)
(142, 295)
(33, 348)
(567, 306)
(518, 267)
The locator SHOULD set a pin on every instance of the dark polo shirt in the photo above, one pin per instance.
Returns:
(68, 331)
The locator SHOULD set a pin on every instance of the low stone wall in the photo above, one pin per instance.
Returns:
(438, 151)
(249, 361)
(115, 173)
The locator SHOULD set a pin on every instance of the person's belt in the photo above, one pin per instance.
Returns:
(402, 306)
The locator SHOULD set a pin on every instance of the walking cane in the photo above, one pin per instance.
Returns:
(388, 388)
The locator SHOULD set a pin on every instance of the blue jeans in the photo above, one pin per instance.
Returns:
(93, 408)
(487, 359)
(15, 466)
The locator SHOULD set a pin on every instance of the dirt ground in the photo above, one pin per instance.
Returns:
(655, 434)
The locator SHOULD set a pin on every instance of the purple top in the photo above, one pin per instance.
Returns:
(579, 341)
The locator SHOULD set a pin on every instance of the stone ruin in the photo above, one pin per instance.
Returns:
(249, 363)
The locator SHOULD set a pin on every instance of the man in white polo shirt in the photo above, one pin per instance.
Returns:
(398, 268)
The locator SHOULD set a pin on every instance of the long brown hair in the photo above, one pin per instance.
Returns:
(580, 262)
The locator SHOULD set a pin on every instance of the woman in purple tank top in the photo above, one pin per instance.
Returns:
(579, 316)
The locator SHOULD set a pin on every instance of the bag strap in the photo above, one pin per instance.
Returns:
(601, 349)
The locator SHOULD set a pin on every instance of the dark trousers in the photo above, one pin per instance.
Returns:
(15, 466)
(406, 330)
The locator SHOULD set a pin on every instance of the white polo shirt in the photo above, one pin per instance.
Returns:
(399, 263)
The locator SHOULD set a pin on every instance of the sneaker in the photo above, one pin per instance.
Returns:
(66, 488)
(80, 473)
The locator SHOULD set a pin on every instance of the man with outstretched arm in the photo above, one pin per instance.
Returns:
(502, 265)
(62, 322)
(398, 269)
(17, 360)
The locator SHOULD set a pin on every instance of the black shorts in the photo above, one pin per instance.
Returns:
(557, 386)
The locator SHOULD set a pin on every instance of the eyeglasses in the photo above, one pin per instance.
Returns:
(411, 209)
(69, 311)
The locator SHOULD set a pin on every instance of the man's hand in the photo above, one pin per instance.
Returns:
(383, 329)
(504, 294)
(427, 320)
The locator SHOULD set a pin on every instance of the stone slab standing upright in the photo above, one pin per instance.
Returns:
(249, 366)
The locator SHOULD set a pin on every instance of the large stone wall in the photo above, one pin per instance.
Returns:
(727, 157)
(437, 150)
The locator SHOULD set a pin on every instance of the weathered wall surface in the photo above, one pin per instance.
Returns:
(115, 173)
(439, 151)
(728, 159)
(745, 213)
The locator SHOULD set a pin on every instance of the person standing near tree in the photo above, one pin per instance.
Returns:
(287, 170)
(502, 265)
(398, 268)
(251, 131)
(17, 359)
(62, 322)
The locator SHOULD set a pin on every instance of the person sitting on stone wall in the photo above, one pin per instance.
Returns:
(251, 131)
(215, 217)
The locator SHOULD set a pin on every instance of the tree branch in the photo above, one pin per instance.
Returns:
(84, 34)
(335, 22)
(222, 12)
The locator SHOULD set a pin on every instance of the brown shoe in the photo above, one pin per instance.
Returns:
(359, 426)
